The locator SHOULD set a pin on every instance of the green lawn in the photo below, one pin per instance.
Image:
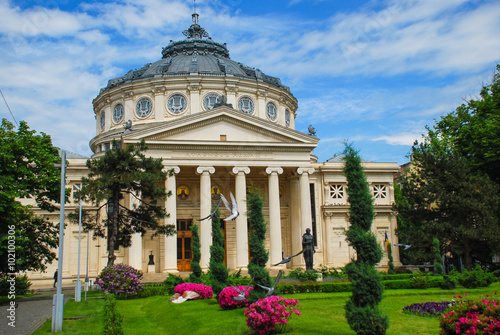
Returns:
(322, 313)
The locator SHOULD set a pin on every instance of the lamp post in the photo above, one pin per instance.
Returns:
(58, 299)
(78, 284)
(87, 267)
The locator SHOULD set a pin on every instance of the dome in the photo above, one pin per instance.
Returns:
(196, 55)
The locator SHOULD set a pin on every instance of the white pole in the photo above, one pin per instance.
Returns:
(87, 267)
(58, 300)
(78, 284)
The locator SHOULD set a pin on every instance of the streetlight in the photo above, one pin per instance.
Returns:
(78, 284)
(58, 299)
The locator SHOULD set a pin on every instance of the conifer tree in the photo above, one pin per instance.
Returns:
(257, 266)
(438, 268)
(126, 172)
(218, 270)
(195, 277)
(362, 311)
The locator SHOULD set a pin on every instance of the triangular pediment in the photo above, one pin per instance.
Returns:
(221, 126)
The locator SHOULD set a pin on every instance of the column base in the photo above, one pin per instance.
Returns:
(173, 271)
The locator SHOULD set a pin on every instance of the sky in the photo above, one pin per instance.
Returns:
(373, 73)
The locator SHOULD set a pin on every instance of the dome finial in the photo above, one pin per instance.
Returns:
(195, 15)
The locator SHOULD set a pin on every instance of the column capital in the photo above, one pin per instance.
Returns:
(238, 169)
(174, 169)
(201, 169)
(305, 170)
(273, 169)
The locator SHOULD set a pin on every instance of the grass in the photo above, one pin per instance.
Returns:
(322, 313)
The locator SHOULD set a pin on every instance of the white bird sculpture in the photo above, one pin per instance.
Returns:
(241, 296)
(270, 290)
(214, 213)
(288, 258)
(232, 207)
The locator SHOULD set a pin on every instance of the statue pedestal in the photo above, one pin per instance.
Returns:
(151, 268)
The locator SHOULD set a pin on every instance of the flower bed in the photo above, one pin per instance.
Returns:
(226, 300)
(271, 314)
(204, 290)
(472, 317)
(428, 309)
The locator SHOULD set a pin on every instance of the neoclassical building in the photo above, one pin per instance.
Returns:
(221, 127)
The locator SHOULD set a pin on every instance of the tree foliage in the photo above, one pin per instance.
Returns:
(258, 253)
(27, 170)
(362, 311)
(218, 270)
(452, 190)
(126, 172)
(195, 277)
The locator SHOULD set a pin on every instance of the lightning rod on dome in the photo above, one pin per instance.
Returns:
(195, 15)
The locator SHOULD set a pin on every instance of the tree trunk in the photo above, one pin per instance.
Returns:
(113, 231)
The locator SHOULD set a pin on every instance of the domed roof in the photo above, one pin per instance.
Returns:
(196, 55)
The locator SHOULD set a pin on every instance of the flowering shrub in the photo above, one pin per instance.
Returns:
(472, 317)
(226, 300)
(432, 309)
(120, 278)
(204, 290)
(271, 315)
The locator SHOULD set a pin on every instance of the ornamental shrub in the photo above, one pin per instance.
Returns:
(472, 317)
(204, 290)
(195, 277)
(226, 300)
(120, 278)
(302, 275)
(362, 311)
(476, 277)
(257, 266)
(217, 269)
(173, 280)
(271, 315)
(20, 284)
(112, 319)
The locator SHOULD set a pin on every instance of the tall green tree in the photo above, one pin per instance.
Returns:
(27, 170)
(218, 270)
(126, 172)
(258, 253)
(195, 276)
(438, 268)
(362, 311)
(451, 200)
(474, 128)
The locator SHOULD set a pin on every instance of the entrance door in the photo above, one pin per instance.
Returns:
(184, 251)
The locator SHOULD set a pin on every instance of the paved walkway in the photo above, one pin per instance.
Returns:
(31, 313)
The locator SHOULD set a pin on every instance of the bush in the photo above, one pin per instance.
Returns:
(448, 283)
(476, 278)
(330, 272)
(271, 315)
(204, 290)
(20, 285)
(303, 276)
(226, 300)
(120, 278)
(173, 280)
(397, 276)
(112, 319)
(472, 317)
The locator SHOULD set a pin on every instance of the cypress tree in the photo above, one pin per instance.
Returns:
(195, 277)
(257, 266)
(362, 311)
(438, 268)
(218, 270)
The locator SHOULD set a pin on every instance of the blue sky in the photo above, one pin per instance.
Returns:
(371, 72)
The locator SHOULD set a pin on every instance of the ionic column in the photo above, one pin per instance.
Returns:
(170, 257)
(274, 214)
(241, 221)
(135, 249)
(205, 210)
(305, 198)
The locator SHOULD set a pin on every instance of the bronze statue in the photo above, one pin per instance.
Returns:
(308, 248)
